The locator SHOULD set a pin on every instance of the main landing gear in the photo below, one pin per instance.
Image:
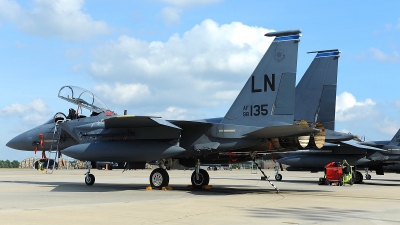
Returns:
(359, 177)
(159, 177)
(199, 177)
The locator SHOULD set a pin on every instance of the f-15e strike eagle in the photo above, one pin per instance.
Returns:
(316, 100)
(260, 119)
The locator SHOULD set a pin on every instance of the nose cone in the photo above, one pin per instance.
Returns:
(18, 143)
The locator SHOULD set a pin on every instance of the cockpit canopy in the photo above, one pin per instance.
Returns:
(83, 98)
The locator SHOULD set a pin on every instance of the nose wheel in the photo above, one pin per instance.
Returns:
(278, 177)
(89, 179)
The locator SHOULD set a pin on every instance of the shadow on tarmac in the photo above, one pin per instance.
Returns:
(316, 214)
(75, 187)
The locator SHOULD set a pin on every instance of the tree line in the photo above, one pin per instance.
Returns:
(8, 164)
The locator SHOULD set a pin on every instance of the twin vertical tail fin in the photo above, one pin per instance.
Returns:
(316, 91)
(396, 139)
(268, 95)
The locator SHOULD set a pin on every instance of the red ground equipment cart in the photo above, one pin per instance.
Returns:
(333, 174)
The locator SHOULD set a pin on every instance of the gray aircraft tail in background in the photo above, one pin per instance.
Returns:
(316, 91)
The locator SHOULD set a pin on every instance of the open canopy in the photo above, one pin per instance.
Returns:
(82, 97)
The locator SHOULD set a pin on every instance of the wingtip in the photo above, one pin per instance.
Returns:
(283, 33)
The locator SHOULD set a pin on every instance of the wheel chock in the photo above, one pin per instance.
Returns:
(166, 188)
(149, 188)
(190, 186)
(207, 187)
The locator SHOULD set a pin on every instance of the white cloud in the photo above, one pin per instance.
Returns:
(344, 131)
(172, 13)
(206, 66)
(123, 93)
(35, 112)
(380, 56)
(9, 10)
(77, 67)
(397, 104)
(349, 109)
(388, 126)
(175, 113)
(73, 53)
(169, 15)
(49, 18)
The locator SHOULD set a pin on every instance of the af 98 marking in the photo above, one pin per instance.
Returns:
(255, 110)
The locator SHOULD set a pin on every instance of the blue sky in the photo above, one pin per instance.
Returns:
(189, 59)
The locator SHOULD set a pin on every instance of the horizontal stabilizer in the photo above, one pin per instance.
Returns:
(362, 146)
(281, 131)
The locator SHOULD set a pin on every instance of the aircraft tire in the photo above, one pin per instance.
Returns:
(358, 178)
(367, 176)
(89, 179)
(159, 178)
(203, 180)
(278, 177)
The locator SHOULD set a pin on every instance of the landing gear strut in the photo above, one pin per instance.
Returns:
(367, 175)
(89, 178)
(199, 177)
(278, 176)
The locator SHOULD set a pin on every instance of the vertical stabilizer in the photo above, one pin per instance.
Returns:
(268, 95)
(316, 91)
(396, 139)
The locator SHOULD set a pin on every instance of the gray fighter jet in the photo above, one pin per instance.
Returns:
(367, 155)
(321, 78)
(262, 115)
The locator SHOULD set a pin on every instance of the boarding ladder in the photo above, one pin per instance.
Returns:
(265, 176)
(54, 147)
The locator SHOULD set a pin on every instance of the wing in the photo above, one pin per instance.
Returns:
(130, 127)
(136, 122)
(362, 147)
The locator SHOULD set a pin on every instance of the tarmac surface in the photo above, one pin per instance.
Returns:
(237, 197)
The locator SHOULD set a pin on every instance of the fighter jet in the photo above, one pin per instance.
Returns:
(261, 115)
(316, 98)
(362, 154)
